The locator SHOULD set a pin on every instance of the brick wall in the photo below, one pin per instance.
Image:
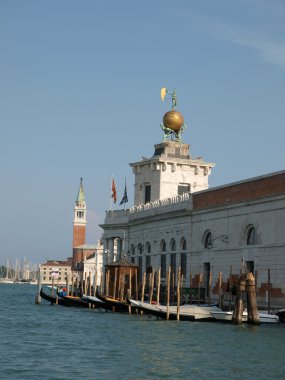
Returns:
(79, 233)
(239, 192)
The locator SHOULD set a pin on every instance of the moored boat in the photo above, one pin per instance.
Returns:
(226, 316)
(186, 313)
(114, 304)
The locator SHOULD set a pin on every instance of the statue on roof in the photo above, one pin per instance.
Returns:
(173, 122)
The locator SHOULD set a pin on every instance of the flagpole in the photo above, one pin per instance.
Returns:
(111, 193)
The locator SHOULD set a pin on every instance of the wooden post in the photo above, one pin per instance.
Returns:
(252, 312)
(269, 291)
(130, 291)
(52, 286)
(102, 290)
(210, 288)
(95, 283)
(256, 281)
(178, 292)
(107, 282)
(90, 284)
(143, 287)
(72, 284)
(230, 288)
(190, 287)
(238, 310)
(220, 289)
(151, 287)
(158, 287)
(199, 287)
(137, 291)
(56, 302)
(38, 298)
(115, 283)
(85, 283)
(67, 285)
(168, 293)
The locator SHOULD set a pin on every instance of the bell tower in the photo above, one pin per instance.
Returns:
(79, 220)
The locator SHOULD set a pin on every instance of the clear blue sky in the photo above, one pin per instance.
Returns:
(80, 97)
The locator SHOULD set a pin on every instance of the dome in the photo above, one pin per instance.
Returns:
(173, 120)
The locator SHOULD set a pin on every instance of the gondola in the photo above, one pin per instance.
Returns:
(64, 301)
(114, 304)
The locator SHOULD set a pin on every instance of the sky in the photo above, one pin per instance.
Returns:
(80, 89)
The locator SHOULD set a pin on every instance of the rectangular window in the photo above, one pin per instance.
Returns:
(183, 188)
(147, 193)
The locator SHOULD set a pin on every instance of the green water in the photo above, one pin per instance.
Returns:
(53, 342)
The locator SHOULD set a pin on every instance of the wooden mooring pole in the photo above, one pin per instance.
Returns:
(158, 287)
(143, 287)
(168, 293)
(269, 292)
(38, 298)
(252, 312)
(238, 309)
(178, 293)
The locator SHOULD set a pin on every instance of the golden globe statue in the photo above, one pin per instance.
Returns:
(173, 122)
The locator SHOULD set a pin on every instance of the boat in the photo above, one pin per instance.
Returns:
(226, 316)
(186, 313)
(95, 301)
(64, 301)
(281, 314)
(114, 304)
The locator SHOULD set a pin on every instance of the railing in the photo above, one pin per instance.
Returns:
(151, 208)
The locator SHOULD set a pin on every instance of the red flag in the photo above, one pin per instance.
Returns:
(114, 192)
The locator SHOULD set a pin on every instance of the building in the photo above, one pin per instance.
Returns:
(57, 271)
(178, 221)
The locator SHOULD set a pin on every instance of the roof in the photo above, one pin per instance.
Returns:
(86, 246)
(80, 195)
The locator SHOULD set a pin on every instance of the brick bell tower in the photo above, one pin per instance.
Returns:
(79, 220)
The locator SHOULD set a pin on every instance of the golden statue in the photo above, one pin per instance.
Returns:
(173, 122)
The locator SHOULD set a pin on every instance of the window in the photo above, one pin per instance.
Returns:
(183, 188)
(147, 193)
(173, 245)
(183, 244)
(140, 248)
(163, 246)
(208, 240)
(250, 240)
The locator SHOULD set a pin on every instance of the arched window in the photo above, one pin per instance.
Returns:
(163, 246)
(250, 238)
(173, 245)
(140, 248)
(208, 240)
(183, 244)
(148, 247)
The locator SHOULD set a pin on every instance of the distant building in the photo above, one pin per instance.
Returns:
(59, 270)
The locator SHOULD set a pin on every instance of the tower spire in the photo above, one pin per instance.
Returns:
(79, 220)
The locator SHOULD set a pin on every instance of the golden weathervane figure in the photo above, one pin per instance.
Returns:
(173, 122)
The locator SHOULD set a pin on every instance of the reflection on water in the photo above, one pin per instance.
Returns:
(53, 342)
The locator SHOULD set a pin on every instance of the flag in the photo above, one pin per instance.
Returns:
(163, 93)
(125, 196)
(114, 192)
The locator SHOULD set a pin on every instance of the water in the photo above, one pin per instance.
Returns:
(54, 342)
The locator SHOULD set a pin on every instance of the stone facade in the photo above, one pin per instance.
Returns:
(208, 231)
